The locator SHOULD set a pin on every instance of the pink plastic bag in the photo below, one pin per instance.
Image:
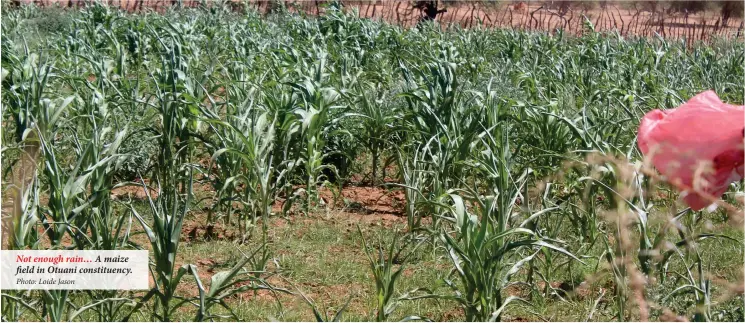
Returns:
(697, 146)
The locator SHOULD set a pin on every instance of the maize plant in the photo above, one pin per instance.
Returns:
(385, 276)
(317, 101)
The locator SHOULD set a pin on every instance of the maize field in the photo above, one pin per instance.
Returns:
(693, 20)
(298, 167)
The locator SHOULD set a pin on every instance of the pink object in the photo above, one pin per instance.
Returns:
(698, 146)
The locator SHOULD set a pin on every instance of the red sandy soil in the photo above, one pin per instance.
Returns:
(369, 200)
(355, 205)
(134, 191)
